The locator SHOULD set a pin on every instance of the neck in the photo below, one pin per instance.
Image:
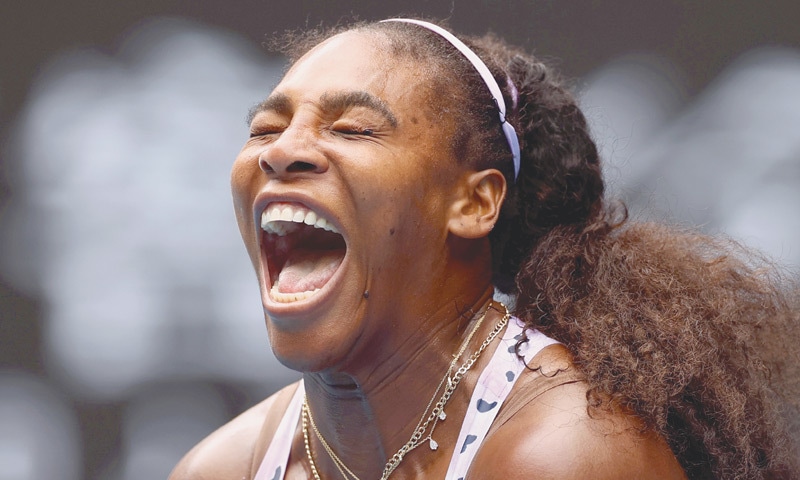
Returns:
(366, 414)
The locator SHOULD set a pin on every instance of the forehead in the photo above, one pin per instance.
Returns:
(356, 61)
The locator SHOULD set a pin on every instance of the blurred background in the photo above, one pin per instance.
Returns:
(131, 321)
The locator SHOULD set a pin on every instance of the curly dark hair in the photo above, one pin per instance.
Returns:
(695, 335)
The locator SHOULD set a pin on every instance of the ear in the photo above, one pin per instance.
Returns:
(477, 206)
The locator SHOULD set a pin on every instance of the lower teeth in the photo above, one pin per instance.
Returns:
(281, 297)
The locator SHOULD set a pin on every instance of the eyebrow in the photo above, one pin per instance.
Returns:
(341, 101)
(277, 102)
(338, 101)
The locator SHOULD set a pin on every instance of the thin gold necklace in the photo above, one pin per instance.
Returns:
(437, 414)
(307, 418)
(307, 443)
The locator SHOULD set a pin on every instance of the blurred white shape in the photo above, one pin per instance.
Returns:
(729, 161)
(126, 222)
(39, 435)
(160, 426)
(741, 129)
(627, 102)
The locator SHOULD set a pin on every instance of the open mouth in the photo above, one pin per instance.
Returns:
(302, 249)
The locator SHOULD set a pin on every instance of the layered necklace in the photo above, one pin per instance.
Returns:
(430, 416)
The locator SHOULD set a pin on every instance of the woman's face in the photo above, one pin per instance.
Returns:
(342, 195)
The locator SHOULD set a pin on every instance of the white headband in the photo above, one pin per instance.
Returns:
(486, 75)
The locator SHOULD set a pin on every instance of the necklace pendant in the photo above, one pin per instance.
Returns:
(442, 415)
(433, 444)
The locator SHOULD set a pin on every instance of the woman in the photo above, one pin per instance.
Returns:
(392, 180)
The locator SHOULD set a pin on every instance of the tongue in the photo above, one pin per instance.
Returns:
(307, 270)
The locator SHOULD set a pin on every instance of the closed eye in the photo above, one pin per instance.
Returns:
(265, 131)
(353, 127)
(368, 132)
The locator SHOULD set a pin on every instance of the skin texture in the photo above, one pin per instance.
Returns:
(382, 172)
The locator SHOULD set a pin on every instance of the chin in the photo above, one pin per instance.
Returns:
(309, 353)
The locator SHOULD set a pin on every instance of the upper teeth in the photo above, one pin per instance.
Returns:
(281, 219)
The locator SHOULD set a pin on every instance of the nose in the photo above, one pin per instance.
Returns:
(295, 151)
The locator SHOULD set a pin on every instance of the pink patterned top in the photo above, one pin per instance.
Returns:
(493, 387)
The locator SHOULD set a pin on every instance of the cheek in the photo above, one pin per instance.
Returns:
(407, 218)
(244, 174)
(239, 183)
(243, 189)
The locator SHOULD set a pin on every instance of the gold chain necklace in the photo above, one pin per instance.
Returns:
(307, 443)
(336, 460)
(437, 414)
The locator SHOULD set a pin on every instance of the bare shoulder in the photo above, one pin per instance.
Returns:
(554, 436)
(229, 452)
